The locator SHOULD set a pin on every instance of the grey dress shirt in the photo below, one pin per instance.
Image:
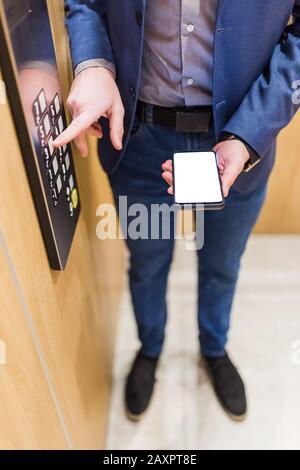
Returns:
(177, 65)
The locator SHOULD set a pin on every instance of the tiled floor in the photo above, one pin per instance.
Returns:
(264, 341)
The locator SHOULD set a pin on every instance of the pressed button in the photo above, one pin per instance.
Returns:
(74, 198)
(190, 27)
(139, 17)
(190, 81)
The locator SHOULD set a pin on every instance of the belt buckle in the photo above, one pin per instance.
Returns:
(192, 122)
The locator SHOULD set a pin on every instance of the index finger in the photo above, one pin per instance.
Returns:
(80, 124)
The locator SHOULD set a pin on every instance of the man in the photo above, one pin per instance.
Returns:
(232, 62)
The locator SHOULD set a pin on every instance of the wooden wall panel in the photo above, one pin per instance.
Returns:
(29, 418)
(281, 213)
(74, 312)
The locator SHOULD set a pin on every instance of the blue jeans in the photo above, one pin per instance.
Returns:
(226, 232)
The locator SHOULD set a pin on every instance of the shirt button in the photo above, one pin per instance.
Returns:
(190, 27)
(190, 81)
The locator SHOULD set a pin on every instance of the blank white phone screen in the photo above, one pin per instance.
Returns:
(196, 178)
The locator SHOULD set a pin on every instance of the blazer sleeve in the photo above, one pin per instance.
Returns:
(271, 104)
(88, 33)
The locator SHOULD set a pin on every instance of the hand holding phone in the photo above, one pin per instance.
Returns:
(196, 180)
(231, 155)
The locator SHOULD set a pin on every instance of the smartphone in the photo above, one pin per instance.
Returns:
(197, 180)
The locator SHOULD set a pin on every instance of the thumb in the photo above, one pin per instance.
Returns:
(116, 125)
(217, 146)
(228, 178)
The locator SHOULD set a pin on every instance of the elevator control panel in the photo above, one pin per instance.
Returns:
(57, 162)
(29, 67)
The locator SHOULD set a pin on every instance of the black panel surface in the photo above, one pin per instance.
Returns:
(29, 67)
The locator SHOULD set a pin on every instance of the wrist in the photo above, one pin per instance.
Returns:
(247, 152)
(252, 156)
(96, 70)
(102, 64)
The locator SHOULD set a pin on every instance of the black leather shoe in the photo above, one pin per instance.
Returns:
(228, 386)
(140, 385)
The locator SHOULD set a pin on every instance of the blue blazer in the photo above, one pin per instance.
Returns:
(256, 62)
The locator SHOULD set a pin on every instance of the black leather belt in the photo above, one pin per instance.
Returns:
(180, 119)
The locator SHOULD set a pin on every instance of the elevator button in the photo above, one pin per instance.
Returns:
(71, 182)
(59, 184)
(74, 198)
(42, 101)
(64, 171)
(47, 125)
(57, 104)
(51, 146)
(60, 125)
(55, 165)
(67, 161)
